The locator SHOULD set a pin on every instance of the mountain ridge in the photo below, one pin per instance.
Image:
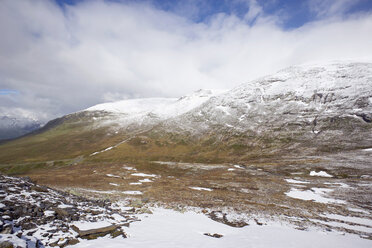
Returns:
(303, 110)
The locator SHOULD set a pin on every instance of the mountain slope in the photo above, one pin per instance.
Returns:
(133, 114)
(302, 110)
(98, 127)
(317, 104)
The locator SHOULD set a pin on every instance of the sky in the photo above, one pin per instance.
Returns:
(62, 56)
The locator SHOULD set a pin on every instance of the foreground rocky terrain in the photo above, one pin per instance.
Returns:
(37, 216)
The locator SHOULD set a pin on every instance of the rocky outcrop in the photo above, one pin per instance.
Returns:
(38, 216)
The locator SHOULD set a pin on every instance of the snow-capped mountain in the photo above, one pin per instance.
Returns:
(296, 94)
(12, 127)
(301, 103)
(148, 111)
(307, 109)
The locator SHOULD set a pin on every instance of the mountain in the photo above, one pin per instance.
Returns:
(299, 111)
(320, 107)
(12, 127)
(147, 112)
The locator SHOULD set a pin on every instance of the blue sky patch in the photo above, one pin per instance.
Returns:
(5, 92)
(291, 13)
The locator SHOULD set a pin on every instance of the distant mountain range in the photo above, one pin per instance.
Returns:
(301, 110)
(12, 127)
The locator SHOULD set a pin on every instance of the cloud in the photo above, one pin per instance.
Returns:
(64, 60)
(331, 8)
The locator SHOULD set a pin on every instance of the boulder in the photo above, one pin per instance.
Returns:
(215, 235)
(114, 230)
(6, 244)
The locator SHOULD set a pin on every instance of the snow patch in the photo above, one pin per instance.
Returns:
(315, 194)
(175, 229)
(355, 220)
(238, 166)
(295, 181)
(146, 180)
(49, 213)
(201, 188)
(320, 174)
(111, 175)
(65, 206)
(135, 183)
(143, 175)
(132, 192)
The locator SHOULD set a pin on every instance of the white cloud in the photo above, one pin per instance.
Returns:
(63, 61)
(331, 8)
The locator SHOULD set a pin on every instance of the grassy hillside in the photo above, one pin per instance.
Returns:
(77, 135)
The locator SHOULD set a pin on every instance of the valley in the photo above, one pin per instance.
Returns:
(293, 148)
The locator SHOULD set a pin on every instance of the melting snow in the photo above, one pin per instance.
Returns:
(111, 175)
(65, 206)
(170, 229)
(201, 188)
(136, 183)
(146, 180)
(344, 225)
(320, 174)
(143, 175)
(342, 185)
(358, 210)
(315, 194)
(132, 192)
(356, 220)
(49, 213)
(296, 181)
(238, 166)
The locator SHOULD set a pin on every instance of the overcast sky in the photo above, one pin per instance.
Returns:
(58, 57)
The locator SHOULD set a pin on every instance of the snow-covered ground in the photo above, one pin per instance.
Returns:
(167, 228)
(320, 174)
(314, 194)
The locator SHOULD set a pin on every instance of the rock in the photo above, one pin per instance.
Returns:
(98, 232)
(6, 244)
(117, 233)
(64, 212)
(258, 223)
(39, 188)
(19, 234)
(215, 235)
(72, 241)
(27, 179)
(31, 202)
(7, 230)
(28, 225)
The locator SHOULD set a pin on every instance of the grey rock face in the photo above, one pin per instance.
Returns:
(305, 106)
